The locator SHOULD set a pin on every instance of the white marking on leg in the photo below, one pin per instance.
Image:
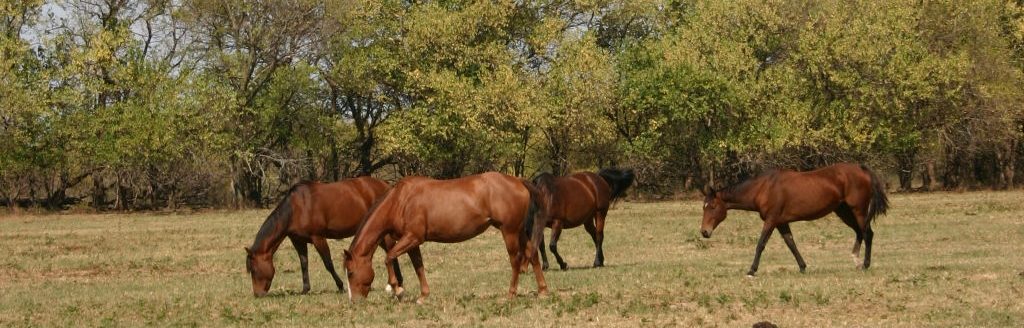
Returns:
(348, 286)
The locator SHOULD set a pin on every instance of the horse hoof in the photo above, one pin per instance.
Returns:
(803, 270)
(421, 301)
(563, 266)
(399, 292)
(750, 275)
(387, 288)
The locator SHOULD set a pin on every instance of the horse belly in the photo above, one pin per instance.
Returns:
(576, 217)
(455, 231)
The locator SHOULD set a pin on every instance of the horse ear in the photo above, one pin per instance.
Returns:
(247, 250)
(348, 255)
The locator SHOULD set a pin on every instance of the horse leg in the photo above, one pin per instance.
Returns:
(846, 214)
(303, 249)
(542, 285)
(394, 271)
(417, 263)
(868, 236)
(515, 257)
(556, 231)
(543, 253)
(596, 230)
(325, 254)
(766, 233)
(788, 236)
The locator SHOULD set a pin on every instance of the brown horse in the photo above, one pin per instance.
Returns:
(420, 209)
(581, 199)
(310, 213)
(852, 191)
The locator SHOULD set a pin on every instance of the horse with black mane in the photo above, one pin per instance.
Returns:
(852, 191)
(583, 199)
(312, 212)
(420, 209)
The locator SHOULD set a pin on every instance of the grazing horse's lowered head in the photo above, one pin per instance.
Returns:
(714, 212)
(261, 269)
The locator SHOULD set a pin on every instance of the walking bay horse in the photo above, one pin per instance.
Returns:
(852, 191)
(420, 209)
(581, 199)
(310, 213)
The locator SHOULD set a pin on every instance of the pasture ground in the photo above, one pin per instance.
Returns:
(941, 259)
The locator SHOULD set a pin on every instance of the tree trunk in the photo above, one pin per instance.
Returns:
(99, 192)
(928, 176)
(905, 165)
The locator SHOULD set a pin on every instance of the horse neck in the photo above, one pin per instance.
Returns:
(744, 196)
(365, 241)
(269, 237)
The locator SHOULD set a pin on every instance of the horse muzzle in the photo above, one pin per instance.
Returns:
(706, 233)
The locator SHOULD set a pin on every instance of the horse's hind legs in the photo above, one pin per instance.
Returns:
(303, 249)
(596, 231)
(788, 236)
(846, 214)
(868, 236)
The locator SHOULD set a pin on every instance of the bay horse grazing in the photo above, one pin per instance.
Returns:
(581, 199)
(852, 191)
(312, 212)
(420, 209)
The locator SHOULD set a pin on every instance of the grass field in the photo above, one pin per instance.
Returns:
(943, 259)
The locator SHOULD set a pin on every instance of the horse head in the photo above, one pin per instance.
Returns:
(261, 269)
(359, 271)
(714, 211)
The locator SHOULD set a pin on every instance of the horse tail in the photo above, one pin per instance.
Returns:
(533, 228)
(618, 179)
(879, 201)
(280, 217)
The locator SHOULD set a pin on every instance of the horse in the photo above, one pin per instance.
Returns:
(852, 191)
(311, 212)
(581, 199)
(420, 209)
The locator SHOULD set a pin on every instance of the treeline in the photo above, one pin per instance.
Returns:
(118, 104)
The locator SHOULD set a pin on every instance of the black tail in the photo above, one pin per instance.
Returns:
(879, 201)
(533, 228)
(619, 180)
(279, 218)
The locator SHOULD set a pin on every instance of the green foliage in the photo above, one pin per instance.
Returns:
(229, 102)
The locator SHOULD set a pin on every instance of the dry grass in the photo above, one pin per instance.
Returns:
(943, 259)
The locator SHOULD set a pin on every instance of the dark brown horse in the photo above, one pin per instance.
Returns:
(420, 209)
(581, 199)
(852, 191)
(311, 213)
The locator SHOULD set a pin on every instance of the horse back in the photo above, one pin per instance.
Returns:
(818, 192)
(578, 197)
(335, 210)
(457, 209)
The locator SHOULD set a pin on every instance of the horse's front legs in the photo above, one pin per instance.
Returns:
(766, 232)
(409, 243)
(303, 249)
